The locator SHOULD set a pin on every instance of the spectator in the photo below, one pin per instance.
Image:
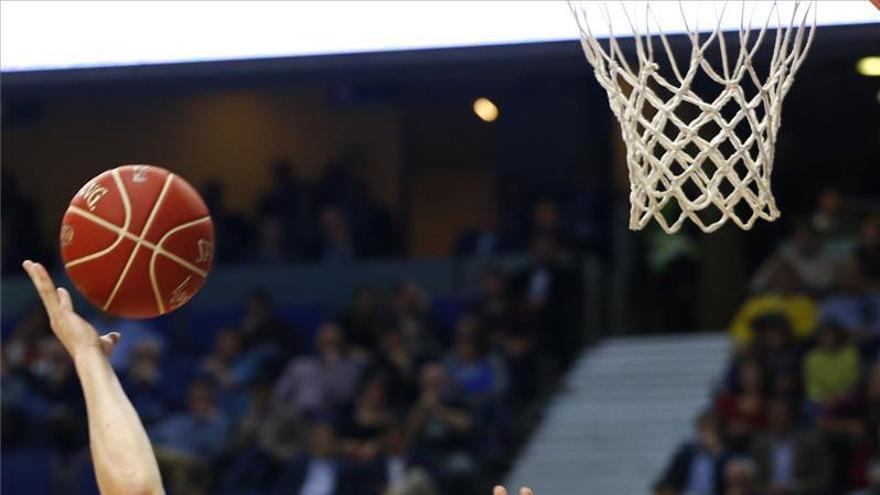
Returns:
(231, 230)
(739, 477)
(443, 430)
(480, 240)
(264, 438)
(186, 443)
(476, 373)
(783, 297)
(337, 244)
(363, 319)
(396, 471)
(231, 371)
(292, 204)
(410, 313)
(777, 354)
(143, 381)
(803, 252)
(742, 409)
(58, 384)
(20, 236)
(265, 337)
(830, 221)
(697, 467)
(320, 385)
(831, 368)
(854, 305)
(867, 251)
(224, 364)
(319, 471)
(134, 333)
(789, 462)
(515, 337)
(397, 363)
(360, 431)
(548, 293)
(271, 246)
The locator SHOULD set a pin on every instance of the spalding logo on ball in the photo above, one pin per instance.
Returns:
(137, 241)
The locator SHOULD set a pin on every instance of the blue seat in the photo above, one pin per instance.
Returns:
(26, 472)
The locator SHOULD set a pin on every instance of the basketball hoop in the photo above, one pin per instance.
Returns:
(700, 136)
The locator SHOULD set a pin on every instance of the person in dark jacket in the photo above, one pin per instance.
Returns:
(789, 462)
(697, 467)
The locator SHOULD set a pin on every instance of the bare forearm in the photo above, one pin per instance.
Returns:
(121, 451)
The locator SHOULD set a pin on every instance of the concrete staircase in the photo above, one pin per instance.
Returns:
(624, 406)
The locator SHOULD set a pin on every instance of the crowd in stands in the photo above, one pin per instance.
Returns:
(379, 399)
(798, 412)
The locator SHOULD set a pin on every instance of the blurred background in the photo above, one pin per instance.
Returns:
(424, 279)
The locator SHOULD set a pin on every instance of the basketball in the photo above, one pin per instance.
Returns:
(137, 241)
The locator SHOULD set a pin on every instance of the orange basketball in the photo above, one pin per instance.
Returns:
(137, 241)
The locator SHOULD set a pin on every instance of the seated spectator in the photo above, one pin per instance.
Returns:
(360, 431)
(473, 370)
(362, 320)
(854, 305)
(864, 465)
(317, 472)
(231, 229)
(831, 368)
(200, 431)
(319, 385)
(231, 371)
(443, 430)
(264, 437)
(789, 461)
(697, 467)
(59, 387)
(514, 336)
(833, 226)
(143, 381)
(803, 252)
(742, 409)
(272, 248)
(548, 293)
(777, 354)
(395, 471)
(397, 363)
(264, 335)
(783, 297)
(410, 312)
(867, 251)
(480, 240)
(187, 442)
(221, 364)
(133, 333)
(337, 244)
(739, 477)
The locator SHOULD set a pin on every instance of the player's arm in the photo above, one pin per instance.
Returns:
(121, 451)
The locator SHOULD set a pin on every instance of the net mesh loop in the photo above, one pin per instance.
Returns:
(692, 153)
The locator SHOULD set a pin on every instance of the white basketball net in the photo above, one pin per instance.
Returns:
(712, 152)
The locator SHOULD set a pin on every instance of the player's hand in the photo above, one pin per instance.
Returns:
(76, 334)
(500, 490)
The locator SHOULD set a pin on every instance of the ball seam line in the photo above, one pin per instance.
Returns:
(153, 278)
(126, 205)
(140, 240)
(147, 244)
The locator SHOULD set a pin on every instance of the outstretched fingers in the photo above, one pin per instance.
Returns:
(64, 299)
(45, 288)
